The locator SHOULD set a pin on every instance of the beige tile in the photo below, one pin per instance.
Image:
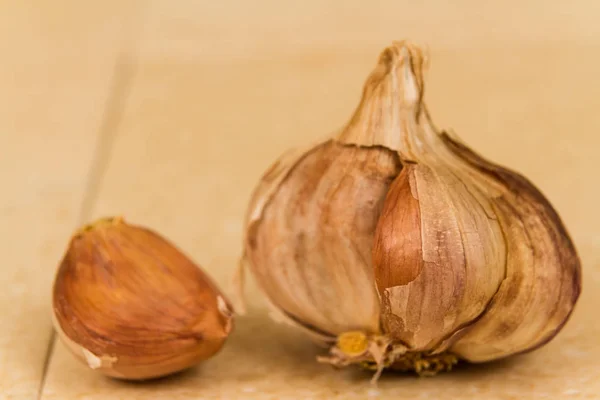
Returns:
(236, 29)
(199, 128)
(55, 77)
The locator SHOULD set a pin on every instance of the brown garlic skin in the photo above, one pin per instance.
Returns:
(131, 305)
(397, 246)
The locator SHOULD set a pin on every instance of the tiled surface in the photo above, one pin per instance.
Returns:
(178, 107)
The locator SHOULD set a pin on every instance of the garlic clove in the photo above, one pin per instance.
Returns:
(543, 271)
(131, 305)
(455, 256)
(309, 239)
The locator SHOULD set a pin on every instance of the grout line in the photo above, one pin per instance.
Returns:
(120, 88)
(123, 74)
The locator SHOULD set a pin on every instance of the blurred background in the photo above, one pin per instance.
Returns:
(167, 112)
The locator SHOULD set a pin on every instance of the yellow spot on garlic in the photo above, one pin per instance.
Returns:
(353, 343)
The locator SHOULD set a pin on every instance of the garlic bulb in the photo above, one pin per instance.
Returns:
(397, 246)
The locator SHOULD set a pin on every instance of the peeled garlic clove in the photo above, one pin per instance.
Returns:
(131, 305)
(402, 246)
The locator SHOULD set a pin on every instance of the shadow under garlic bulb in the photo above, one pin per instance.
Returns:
(397, 246)
(131, 305)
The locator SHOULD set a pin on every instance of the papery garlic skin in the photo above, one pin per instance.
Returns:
(468, 259)
(311, 249)
(543, 271)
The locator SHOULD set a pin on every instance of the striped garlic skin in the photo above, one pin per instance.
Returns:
(311, 249)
